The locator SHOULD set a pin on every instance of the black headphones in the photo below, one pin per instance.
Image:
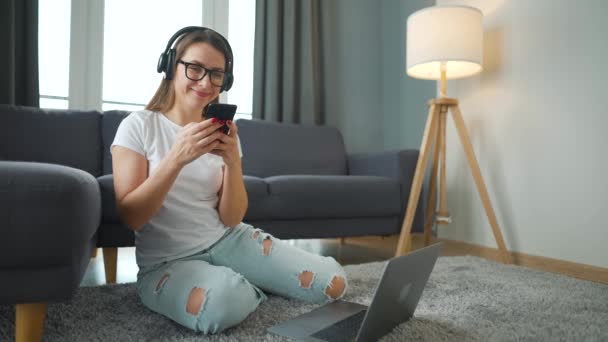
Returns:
(167, 61)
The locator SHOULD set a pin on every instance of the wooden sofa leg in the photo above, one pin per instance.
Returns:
(110, 259)
(29, 321)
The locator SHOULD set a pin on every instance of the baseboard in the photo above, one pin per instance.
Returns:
(581, 271)
(453, 248)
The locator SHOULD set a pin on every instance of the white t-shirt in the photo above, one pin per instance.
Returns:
(188, 220)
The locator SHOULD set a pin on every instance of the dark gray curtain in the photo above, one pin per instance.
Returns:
(288, 76)
(19, 53)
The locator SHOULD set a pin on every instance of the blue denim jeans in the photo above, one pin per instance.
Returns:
(232, 276)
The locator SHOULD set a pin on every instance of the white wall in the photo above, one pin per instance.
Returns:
(537, 117)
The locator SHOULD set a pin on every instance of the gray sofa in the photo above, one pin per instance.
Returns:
(300, 181)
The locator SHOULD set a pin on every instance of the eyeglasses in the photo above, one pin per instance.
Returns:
(195, 72)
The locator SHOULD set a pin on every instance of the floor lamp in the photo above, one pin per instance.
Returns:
(444, 42)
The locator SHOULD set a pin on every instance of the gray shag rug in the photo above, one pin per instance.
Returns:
(466, 299)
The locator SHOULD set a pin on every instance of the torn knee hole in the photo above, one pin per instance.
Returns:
(161, 282)
(255, 234)
(336, 287)
(195, 301)
(306, 278)
(267, 244)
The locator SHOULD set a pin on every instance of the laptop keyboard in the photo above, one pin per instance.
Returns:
(344, 330)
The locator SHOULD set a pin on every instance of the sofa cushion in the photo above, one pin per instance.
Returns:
(65, 137)
(110, 121)
(256, 187)
(332, 196)
(112, 232)
(329, 228)
(271, 149)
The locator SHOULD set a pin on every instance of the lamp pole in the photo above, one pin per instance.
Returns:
(443, 67)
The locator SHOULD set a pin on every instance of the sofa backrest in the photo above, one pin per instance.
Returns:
(271, 149)
(110, 120)
(65, 137)
(82, 139)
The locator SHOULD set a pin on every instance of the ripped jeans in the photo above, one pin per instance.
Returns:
(219, 287)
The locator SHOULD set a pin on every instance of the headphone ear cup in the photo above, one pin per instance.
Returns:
(169, 64)
(160, 67)
(228, 82)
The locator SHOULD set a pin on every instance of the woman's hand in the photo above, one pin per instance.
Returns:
(196, 139)
(228, 147)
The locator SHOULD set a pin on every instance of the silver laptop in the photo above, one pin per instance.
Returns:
(394, 302)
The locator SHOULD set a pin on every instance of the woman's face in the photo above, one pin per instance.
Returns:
(195, 95)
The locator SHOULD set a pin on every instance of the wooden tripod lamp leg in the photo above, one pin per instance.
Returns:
(481, 186)
(443, 216)
(432, 201)
(405, 238)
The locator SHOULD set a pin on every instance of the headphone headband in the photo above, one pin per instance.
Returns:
(166, 61)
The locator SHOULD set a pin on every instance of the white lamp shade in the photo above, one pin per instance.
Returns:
(451, 34)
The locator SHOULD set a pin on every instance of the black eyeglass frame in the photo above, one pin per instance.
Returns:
(207, 72)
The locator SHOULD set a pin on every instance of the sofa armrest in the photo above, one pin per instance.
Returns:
(399, 165)
(50, 214)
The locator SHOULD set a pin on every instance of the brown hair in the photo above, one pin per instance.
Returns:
(164, 98)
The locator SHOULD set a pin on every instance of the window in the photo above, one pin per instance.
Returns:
(131, 30)
(131, 49)
(241, 32)
(54, 53)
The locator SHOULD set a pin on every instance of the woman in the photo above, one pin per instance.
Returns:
(179, 186)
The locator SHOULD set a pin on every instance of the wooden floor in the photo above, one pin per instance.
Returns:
(366, 249)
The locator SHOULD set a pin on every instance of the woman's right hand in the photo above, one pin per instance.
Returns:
(196, 139)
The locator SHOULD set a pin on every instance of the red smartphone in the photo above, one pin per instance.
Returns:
(221, 111)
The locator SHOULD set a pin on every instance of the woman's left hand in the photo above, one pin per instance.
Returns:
(228, 148)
